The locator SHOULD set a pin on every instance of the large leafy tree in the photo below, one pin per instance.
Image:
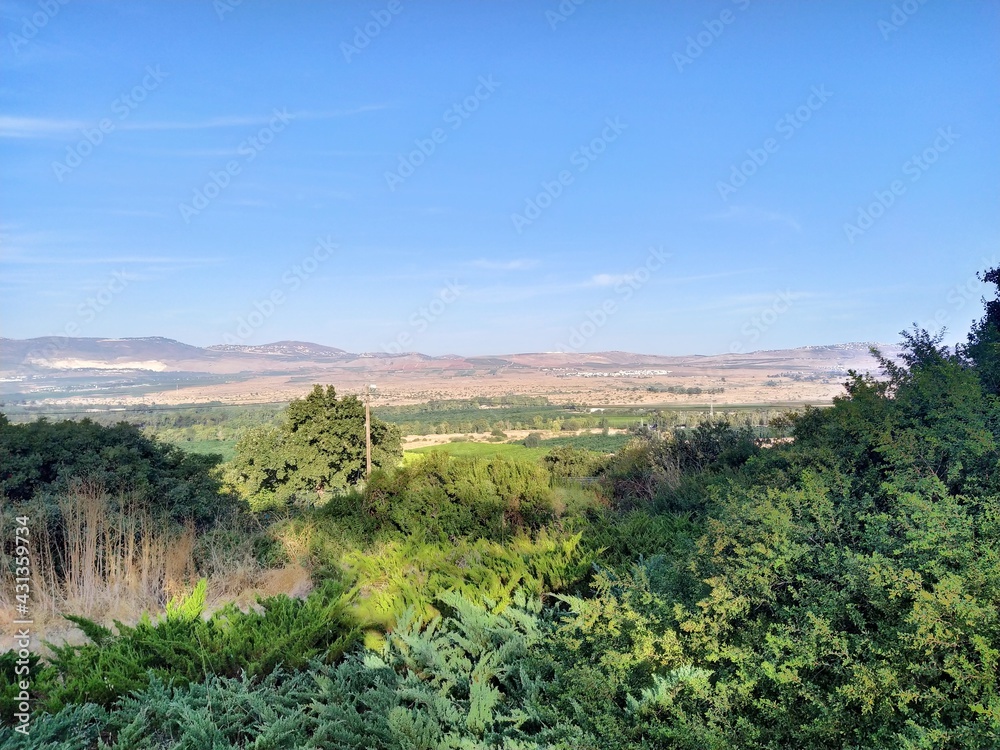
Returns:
(319, 448)
(941, 419)
(983, 349)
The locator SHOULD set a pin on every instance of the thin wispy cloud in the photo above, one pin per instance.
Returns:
(522, 264)
(613, 279)
(37, 127)
(755, 215)
(12, 126)
(607, 279)
(239, 121)
(27, 244)
(186, 153)
(37, 260)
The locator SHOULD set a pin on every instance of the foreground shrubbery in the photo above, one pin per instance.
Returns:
(765, 635)
(183, 647)
(429, 528)
(457, 682)
(796, 624)
(407, 574)
(840, 591)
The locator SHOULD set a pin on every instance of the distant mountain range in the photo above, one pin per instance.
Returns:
(51, 355)
(158, 354)
(283, 349)
(94, 371)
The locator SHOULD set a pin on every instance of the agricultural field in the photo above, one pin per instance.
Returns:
(598, 444)
(477, 450)
(224, 448)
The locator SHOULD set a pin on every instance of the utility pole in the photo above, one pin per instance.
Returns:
(711, 393)
(368, 431)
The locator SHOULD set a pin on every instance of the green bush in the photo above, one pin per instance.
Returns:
(606, 649)
(42, 459)
(455, 682)
(568, 461)
(183, 647)
(447, 498)
(624, 537)
(409, 574)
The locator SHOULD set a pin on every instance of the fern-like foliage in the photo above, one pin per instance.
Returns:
(666, 687)
(189, 608)
(411, 574)
(184, 648)
(458, 681)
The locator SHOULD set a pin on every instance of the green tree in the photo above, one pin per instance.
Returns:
(983, 350)
(567, 461)
(940, 420)
(318, 448)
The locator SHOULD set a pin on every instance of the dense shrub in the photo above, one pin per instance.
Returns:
(639, 471)
(572, 462)
(183, 647)
(43, 458)
(445, 498)
(456, 682)
(676, 473)
(532, 440)
(409, 574)
(621, 538)
(714, 445)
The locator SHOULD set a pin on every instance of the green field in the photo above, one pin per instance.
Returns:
(589, 441)
(593, 442)
(597, 443)
(478, 450)
(225, 448)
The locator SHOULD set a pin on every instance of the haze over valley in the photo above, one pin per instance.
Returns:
(122, 372)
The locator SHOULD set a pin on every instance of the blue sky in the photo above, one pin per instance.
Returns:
(687, 177)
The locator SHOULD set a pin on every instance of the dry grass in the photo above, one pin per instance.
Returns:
(113, 561)
(106, 564)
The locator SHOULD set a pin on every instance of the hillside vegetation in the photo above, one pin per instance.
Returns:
(838, 590)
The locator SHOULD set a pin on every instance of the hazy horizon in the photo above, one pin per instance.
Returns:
(61, 342)
(585, 176)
